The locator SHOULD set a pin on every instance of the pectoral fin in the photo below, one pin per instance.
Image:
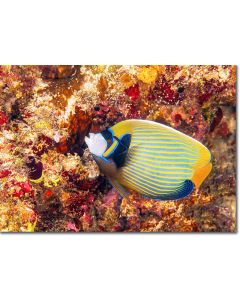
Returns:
(119, 187)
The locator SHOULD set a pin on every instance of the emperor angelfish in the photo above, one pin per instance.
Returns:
(152, 159)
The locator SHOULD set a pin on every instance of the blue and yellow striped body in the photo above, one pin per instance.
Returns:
(161, 163)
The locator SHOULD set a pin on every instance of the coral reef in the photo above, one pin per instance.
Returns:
(49, 181)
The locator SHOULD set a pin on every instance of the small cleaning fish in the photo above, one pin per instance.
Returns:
(152, 159)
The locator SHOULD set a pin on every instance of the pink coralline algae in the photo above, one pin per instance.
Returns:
(49, 181)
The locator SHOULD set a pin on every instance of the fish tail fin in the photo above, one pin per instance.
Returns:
(201, 174)
(203, 166)
(119, 187)
(204, 156)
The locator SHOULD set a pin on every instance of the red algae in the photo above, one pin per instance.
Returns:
(49, 181)
(133, 92)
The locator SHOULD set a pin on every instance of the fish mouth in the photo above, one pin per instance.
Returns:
(89, 139)
(90, 135)
(86, 138)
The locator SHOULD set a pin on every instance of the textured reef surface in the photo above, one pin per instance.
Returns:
(49, 181)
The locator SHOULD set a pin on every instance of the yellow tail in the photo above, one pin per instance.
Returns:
(201, 174)
(203, 166)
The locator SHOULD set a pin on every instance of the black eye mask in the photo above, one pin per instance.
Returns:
(120, 152)
(108, 137)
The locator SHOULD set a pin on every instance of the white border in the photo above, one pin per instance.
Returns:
(119, 266)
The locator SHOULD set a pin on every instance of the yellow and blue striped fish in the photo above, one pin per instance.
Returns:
(152, 159)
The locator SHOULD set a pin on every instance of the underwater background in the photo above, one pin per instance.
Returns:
(49, 181)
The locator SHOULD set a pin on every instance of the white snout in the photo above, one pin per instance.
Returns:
(97, 145)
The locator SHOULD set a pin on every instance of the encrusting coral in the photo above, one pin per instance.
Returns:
(49, 180)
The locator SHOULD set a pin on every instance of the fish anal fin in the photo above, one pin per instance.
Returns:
(122, 191)
(201, 174)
